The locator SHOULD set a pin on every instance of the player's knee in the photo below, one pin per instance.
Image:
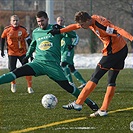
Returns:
(111, 84)
(66, 86)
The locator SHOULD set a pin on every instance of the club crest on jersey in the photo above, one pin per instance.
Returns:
(45, 45)
(62, 42)
(19, 33)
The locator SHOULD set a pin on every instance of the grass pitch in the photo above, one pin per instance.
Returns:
(22, 112)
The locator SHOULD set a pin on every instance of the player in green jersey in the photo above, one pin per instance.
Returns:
(47, 59)
(67, 54)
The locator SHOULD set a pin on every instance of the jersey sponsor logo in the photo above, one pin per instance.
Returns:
(45, 45)
(45, 37)
(62, 42)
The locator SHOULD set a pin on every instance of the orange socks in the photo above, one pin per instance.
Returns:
(29, 81)
(90, 86)
(13, 82)
(108, 97)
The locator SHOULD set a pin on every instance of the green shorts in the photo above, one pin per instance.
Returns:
(52, 69)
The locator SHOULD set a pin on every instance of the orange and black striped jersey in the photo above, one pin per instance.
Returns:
(109, 34)
(15, 37)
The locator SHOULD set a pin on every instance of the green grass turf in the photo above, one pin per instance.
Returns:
(21, 110)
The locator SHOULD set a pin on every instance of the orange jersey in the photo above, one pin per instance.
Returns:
(109, 34)
(15, 37)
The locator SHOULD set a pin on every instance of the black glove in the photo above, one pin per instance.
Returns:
(70, 47)
(2, 53)
(54, 31)
(56, 26)
(25, 60)
(31, 58)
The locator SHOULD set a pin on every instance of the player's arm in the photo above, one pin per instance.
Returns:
(3, 40)
(2, 46)
(31, 48)
(70, 28)
(28, 40)
(113, 30)
(75, 41)
(124, 33)
(65, 29)
(30, 51)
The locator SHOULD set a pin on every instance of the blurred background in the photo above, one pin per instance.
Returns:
(120, 12)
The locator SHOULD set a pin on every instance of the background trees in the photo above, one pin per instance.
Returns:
(120, 12)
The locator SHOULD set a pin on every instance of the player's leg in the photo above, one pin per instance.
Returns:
(28, 78)
(112, 75)
(78, 76)
(12, 60)
(56, 73)
(116, 62)
(90, 86)
(19, 72)
(75, 92)
(103, 66)
(67, 72)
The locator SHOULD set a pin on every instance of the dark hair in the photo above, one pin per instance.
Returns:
(42, 14)
(81, 16)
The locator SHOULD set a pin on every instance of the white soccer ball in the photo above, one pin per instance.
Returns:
(49, 101)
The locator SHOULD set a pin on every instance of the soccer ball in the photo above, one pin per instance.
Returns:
(49, 101)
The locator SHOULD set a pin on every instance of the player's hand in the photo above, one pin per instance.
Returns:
(54, 31)
(25, 60)
(56, 26)
(2, 53)
(70, 47)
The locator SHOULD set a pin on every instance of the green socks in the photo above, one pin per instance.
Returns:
(8, 77)
(79, 77)
(75, 73)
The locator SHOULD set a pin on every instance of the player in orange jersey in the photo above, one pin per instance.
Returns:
(114, 53)
(16, 36)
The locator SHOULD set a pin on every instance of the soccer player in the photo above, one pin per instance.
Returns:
(67, 55)
(47, 59)
(16, 36)
(114, 53)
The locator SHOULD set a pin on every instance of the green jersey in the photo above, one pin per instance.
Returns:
(66, 54)
(46, 46)
(47, 54)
